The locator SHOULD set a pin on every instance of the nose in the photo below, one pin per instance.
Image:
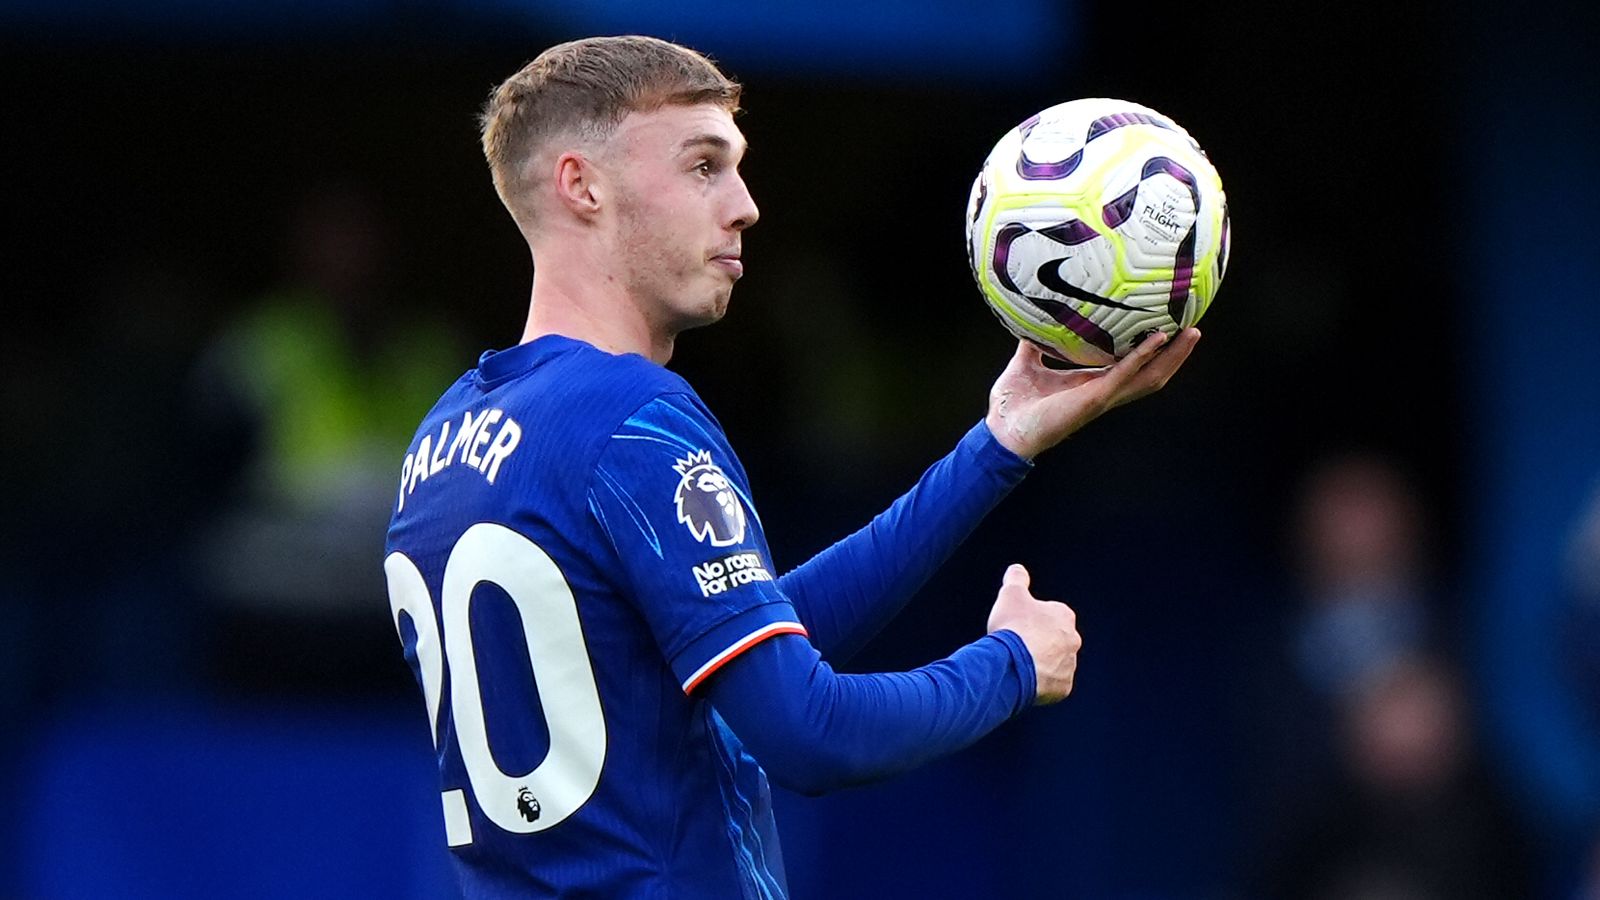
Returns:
(742, 211)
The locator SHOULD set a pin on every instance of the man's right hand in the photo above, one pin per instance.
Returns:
(1047, 628)
(1033, 407)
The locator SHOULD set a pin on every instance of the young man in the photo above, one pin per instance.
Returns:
(576, 569)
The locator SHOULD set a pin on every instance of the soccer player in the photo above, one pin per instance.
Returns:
(610, 665)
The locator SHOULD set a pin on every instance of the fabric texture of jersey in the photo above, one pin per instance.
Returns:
(559, 483)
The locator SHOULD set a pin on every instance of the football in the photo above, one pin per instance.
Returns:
(1095, 223)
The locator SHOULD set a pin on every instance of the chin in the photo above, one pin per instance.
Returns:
(715, 306)
(702, 314)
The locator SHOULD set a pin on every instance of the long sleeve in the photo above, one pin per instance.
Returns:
(846, 593)
(814, 730)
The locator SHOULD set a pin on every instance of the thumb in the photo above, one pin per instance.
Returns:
(1016, 576)
(1012, 599)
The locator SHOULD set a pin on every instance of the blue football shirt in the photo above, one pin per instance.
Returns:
(573, 551)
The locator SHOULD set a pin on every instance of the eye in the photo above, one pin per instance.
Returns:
(705, 168)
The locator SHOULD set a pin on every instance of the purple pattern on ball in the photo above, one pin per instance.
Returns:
(1037, 171)
(1110, 123)
(1002, 253)
(1222, 248)
(1071, 233)
(1057, 310)
(1157, 165)
(1076, 322)
(1117, 211)
(1183, 263)
(1033, 171)
(1182, 277)
(1089, 331)
(1053, 308)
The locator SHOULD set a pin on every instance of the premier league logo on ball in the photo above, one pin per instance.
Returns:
(707, 502)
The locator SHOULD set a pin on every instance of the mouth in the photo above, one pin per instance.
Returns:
(729, 262)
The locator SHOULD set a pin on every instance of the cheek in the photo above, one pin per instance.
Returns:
(658, 232)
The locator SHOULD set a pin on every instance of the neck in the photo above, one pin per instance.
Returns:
(594, 308)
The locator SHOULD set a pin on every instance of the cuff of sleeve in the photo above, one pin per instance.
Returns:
(731, 637)
(1022, 661)
(985, 449)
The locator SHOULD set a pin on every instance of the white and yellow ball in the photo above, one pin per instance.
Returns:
(1095, 223)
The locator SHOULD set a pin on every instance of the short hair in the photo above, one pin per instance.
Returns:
(585, 88)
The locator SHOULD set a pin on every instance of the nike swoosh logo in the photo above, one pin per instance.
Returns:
(1049, 275)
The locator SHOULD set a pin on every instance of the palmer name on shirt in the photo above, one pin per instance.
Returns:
(482, 441)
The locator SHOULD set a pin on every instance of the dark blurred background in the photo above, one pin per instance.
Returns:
(1339, 583)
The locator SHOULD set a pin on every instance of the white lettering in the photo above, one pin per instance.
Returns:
(506, 441)
(482, 437)
(419, 469)
(469, 426)
(405, 473)
(746, 576)
(438, 463)
(433, 457)
(718, 575)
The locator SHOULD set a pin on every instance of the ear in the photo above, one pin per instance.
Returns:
(579, 184)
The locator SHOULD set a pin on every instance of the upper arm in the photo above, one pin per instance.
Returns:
(672, 501)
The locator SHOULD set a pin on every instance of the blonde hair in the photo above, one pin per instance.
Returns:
(583, 89)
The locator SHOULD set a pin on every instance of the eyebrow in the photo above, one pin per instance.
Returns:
(714, 141)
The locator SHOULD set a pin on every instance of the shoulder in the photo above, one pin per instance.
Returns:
(557, 379)
(584, 375)
(585, 400)
(626, 392)
(629, 395)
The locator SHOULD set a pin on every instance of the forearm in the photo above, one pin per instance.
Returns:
(814, 730)
(846, 593)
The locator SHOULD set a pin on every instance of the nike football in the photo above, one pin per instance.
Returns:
(1095, 223)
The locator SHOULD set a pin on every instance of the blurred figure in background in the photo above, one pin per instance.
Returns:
(1411, 815)
(1386, 797)
(1362, 568)
(1357, 561)
(324, 375)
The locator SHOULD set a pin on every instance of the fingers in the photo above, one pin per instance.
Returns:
(1156, 369)
(1144, 353)
(1154, 377)
(1180, 346)
(1123, 370)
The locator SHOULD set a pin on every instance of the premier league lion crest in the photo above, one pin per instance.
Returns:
(707, 502)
